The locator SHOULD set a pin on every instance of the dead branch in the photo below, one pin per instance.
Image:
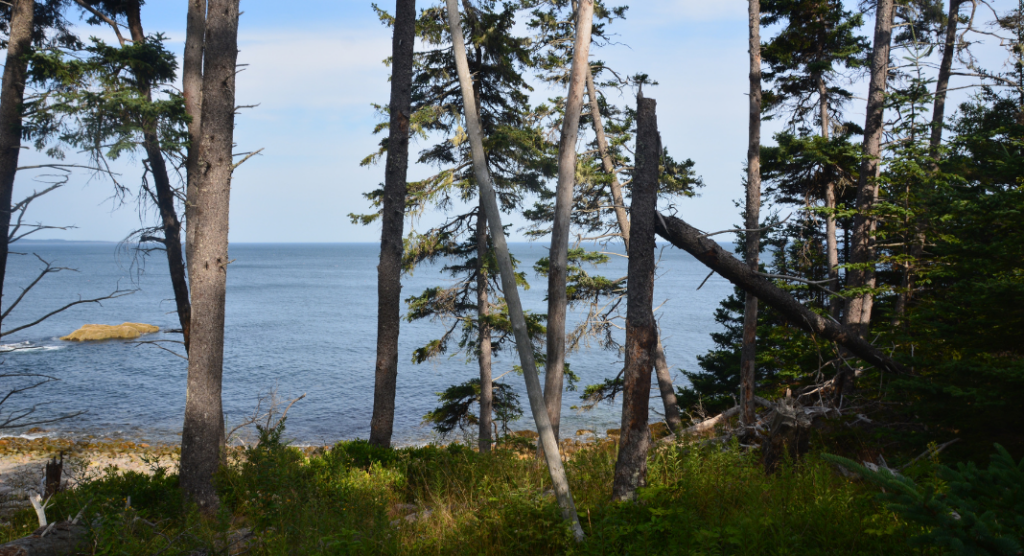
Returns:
(930, 452)
(100, 15)
(116, 294)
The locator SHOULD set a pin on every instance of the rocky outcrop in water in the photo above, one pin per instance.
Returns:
(124, 331)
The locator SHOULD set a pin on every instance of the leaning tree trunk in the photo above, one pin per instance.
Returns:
(691, 240)
(748, 354)
(12, 94)
(641, 332)
(192, 91)
(389, 272)
(858, 307)
(668, 392)
(203, 434)
(484, 333)
(559, 252)
(169, 222)
(508, 280)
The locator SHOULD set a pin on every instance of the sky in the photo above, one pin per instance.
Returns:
(315, 72)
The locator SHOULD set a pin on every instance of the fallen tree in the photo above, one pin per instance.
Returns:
(696, 243)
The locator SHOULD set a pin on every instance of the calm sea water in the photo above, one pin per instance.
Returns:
(300, 319)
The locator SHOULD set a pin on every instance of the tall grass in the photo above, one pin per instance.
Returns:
(357, 499)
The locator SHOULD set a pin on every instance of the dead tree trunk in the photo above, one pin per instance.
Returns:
(748, 353)
(691, 240)
(559, 252)
(668, 393)
(484, 331)
(858, 307)
(942, 80)
(169, 222)
(203, 433)
(389, 272)
(515, 308)
(641, 332)
(831, 241)
(192, 91)
(12, 95)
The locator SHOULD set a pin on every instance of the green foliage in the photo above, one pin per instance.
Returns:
(101, 103)
(354, 498)
(807, 57)
(455, 411)
(973, 512)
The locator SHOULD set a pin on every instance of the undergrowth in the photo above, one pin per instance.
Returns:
(357, 499)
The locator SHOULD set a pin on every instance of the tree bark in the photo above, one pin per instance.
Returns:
(12, 95)
(942, 80)
(558, 255)
(668, 392)
(164, 192)
(486, 385)
(691, 240)
(389, 272)
(515, 308)
(203, 432)
(192, 90)
(641, 335)
(748, 354)
(858, 306)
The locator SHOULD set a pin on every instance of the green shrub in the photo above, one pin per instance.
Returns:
(975, 512)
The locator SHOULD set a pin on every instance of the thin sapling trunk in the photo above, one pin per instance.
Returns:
(748, 354)
(559, 253)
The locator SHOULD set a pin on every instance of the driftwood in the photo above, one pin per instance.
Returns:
(710, 424)
(691, 240)
(55, 539)
(788, 433)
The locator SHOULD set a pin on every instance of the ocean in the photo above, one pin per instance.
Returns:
(301, 319)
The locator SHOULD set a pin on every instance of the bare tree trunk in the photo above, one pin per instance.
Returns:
(559, 252)
(164, 192)
(515, 308)
(389, 272)
(668, 393)
(858, 307)
(606, 159)
(748, 354)
(691, 240)
(12, 95)
(192, 90)
(831, 241)
(641, 332)
(486, 384)
(203, 433)
(942, 81)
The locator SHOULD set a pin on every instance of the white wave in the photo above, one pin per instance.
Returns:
(26, 346)
(27, 436)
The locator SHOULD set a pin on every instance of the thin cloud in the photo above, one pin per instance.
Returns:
(295, 70)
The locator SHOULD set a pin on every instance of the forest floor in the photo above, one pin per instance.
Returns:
(352, 498)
